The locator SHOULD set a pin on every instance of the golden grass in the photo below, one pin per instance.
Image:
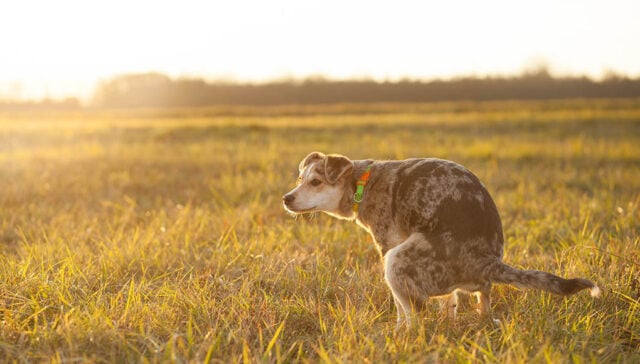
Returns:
(159, 235)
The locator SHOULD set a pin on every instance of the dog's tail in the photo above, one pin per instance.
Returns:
(503, 273)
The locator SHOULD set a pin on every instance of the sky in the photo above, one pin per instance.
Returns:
(63, 48)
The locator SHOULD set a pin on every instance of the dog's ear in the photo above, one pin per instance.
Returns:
(310, 158)
(336, 166)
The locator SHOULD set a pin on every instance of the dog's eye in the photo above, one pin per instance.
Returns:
(316, 182)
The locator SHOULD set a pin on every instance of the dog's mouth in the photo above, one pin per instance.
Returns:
(299, 211)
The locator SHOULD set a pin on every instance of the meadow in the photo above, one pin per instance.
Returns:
(159, 235)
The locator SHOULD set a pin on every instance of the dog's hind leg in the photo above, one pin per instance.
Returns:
(452, 306)
(484, 303)
(401, 275)
(401, 314)
(484, 300)
(396, 283)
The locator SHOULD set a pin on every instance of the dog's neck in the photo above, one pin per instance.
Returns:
(345, 208)
(360, 168)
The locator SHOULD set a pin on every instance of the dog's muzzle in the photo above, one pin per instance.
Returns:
(288, 199)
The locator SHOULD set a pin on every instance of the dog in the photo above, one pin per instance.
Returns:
(434, 223)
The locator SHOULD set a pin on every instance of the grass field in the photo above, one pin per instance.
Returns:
(160, 236)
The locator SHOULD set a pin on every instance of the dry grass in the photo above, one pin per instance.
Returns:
(160, 236)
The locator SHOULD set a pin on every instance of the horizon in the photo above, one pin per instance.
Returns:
(66, 49)
(523, 74)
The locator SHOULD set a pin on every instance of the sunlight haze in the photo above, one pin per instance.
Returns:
(63, 48)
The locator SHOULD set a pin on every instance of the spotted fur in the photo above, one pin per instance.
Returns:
(433, 222)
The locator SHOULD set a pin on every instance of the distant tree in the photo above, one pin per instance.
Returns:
(147, 89)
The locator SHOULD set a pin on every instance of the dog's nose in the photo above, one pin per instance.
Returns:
(288, 199)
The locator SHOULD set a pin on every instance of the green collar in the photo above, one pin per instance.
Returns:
(357, 197)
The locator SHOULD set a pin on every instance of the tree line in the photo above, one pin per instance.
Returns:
(159, 90)
(156, 90)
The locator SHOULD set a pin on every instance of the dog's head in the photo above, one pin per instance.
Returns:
(321, 185)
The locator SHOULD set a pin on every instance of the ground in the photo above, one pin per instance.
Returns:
(142, 235)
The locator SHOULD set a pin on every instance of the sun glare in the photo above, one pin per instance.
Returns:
(63, 48)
